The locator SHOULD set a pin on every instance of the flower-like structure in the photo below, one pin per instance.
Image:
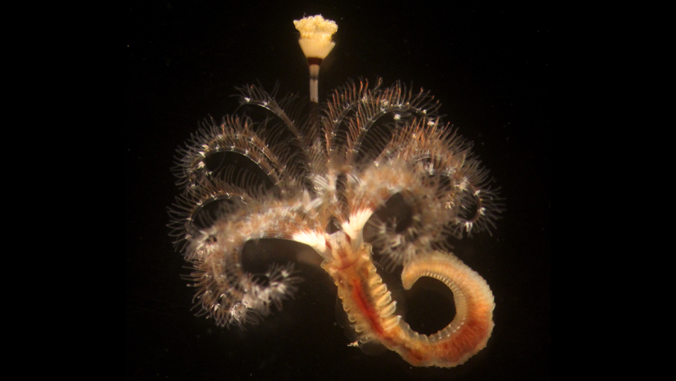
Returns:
(315, 41)
(324, 181)
(315, 35)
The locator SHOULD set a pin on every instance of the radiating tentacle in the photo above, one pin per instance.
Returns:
(396, 101)
(339, 113)
(344, 101)
(232, 135)
(255, 95)
(442, 187)
(225, 291)
(296, 132)
(478, 210)
(355, 109)
(197, 210)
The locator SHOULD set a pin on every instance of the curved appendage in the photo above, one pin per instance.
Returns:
(440, 187)
(473, 324)
(225, 290)
(370, 308)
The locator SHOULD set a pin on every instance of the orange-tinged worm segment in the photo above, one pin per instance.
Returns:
(370, 307)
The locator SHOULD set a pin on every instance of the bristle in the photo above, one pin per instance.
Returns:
(232, 135)
(287, 110)
(188, 214)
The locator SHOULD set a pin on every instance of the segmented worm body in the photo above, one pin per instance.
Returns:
(325, 176)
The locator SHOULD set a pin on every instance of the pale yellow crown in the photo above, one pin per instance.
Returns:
(315, 35)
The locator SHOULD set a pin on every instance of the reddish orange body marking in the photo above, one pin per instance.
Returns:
(366, 307)
(360, 288)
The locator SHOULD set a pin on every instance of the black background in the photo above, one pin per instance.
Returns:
(489, 66)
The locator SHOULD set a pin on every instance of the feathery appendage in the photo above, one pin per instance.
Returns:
(373, 168)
